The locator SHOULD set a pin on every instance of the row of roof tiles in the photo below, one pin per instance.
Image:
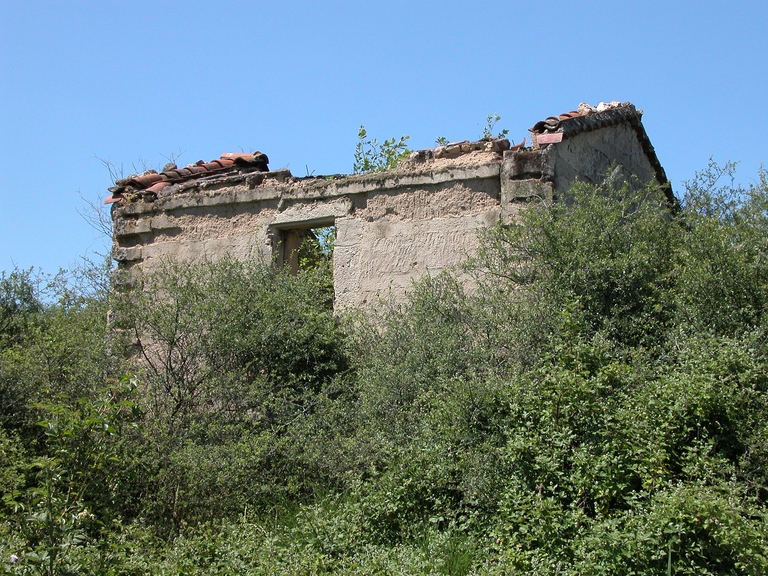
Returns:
(615, 112)
(152, 181)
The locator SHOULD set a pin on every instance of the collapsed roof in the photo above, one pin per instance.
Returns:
(151, 184)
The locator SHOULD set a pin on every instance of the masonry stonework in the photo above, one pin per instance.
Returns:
(420, 218)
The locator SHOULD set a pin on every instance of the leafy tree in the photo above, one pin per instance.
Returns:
(606, 254)
(76, 486)
(19, 303)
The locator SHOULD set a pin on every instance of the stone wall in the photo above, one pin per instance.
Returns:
(391, 227)
(588, 156)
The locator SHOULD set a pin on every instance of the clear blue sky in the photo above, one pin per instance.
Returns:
(134, 82)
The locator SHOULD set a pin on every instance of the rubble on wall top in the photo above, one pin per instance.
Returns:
(588, 118)
(456, 149)
(148, 184)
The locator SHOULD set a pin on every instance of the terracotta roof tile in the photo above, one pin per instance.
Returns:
(148, 179)
(151, 182)
(554, 123)
(235, 155)
(156, 187)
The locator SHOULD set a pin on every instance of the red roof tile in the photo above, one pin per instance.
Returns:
(152, 182)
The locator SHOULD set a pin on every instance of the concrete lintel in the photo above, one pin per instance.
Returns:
(198, 199)
(273, 189)
(134, 209)
(392, 181)
(306, 215)
(162, 222)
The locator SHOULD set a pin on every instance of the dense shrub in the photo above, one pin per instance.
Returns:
(230, 355)
(597, 405)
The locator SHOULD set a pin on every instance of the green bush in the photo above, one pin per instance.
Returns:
(370, 156)
(232, 355)
(597, 404)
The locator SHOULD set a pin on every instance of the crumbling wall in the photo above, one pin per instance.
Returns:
(391, 227)
(588, 157)
(398, 233)
(202, 225)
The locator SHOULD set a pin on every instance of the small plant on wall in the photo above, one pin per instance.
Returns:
(370, 156)
(490, 124)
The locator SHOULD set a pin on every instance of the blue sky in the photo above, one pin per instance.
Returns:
(136, 82)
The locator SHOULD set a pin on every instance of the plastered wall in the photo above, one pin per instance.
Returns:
(392, 227)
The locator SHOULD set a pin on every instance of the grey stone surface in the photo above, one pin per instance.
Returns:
(392, 227)
(587, 157)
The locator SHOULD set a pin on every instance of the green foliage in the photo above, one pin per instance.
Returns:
(725, 271)
(567, 398)
(316, 256)
(54, 346)
(597, 404)
(77, 477)
(370, 156)
(488, 131)
(607, 255)
(233, 354)
(203, 328)
(490, 124)
(19, 303)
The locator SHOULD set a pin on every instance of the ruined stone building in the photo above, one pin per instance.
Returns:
(421, 217)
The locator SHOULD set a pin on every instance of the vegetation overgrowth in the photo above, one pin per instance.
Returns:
(598, 404)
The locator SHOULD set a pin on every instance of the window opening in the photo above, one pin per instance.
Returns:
(301, 249)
